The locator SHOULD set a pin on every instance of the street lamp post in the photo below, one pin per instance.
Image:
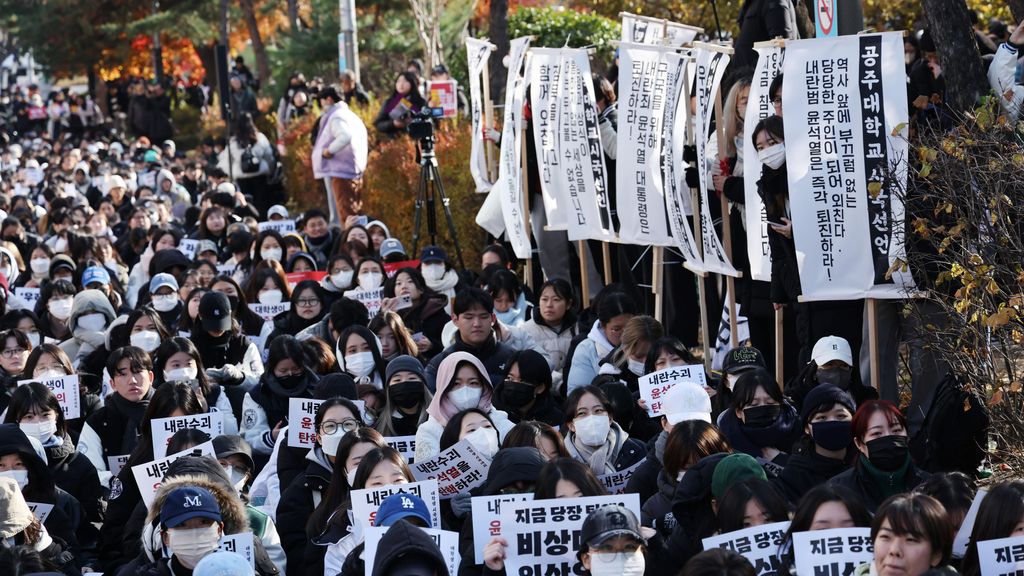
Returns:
(348, 45)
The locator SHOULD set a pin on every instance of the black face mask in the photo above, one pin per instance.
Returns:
(233, 300)
(292, 381)
(406, 394)
(834, 377)
(517, 394)
(832, 434)
(761, 416)
(888, 453)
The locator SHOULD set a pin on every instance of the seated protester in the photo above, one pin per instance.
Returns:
(476, 428)
(311, 519)
(301, 262)
(955, 491)
(827, 446)
(24, 461)
(341, 273)
(293, 244)
(249, 321)
(178, 360)
(145, 330)
(191, 525)
(613, 313)
(267, 286)
(426, 317)
(235, 456)
(56, 298)
(265, 408)
(462, 384)
(911, 535)
(883, 467)
(687, 443)
(831, 363)
(90, 314)
(308, 307)
(761, 423)
(822, 508)
(240, 240)
(230, 358)
(49, 361)
(405, 548)
(395, 339)
(567, 478)
(162, 239)
(358, 355)
(1001, 515)
(406, 398)
(510, 304)
(163, 290)
(749, 503)
(525, 392)
(473, 316)
(408, 508)
(13, 355)
(737, 361)
(190, 315)
(543, 437)
(24, 321)
(318, 237)
(23, 530)
(344, 313)
(320, 357)
(269, 246)
(379, 232)
(552, 324)
(593, 437)
(38, 268)
(439, 274)
(97, 277)
(114, 429)
(369, 274)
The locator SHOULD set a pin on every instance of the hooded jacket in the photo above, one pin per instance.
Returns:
(84, 342)
(403, 542)
(780, 434)
(586, 359)
(805, 470)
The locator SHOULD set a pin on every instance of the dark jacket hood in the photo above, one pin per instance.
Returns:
(403, 542)
(511, 465)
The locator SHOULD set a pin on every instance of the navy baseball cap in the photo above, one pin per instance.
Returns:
(402, 505)
(433, 254)
(186, 503)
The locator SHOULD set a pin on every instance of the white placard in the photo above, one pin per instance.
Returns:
(477, 52)
(615, 483)
(509, 185)
(301, 422)
(758, 544)
(188, 247)
(545, 85)
(164, 428)
(366, 502)
(835, 551)
(963, 535)
(646, 30)
(279, 226)
(487, 519)
(655, 386)
(116, 463)
(1002, 557)
(29, 295)
(149, 476)
(759, 106)
(678, 203)
(458, 469)
(240, 544)
(65, 388)
(447, 542)
(269, 311)
(543, 535)
(404, 445)
(370, 298)
(845, 97)
(40, 509)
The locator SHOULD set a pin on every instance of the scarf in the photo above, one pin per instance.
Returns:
(446, 284)
(779, 434)
(88, 342)
(600, 459)
(134, 412)
(273, 397)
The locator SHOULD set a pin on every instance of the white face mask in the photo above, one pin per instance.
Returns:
(190, 545)
(271, 297)
(636, 367)
(60, 309)
(49, 373)
(41, 431)
(432, 272)
(19, 476)
(148, 340)
(60, 244)
(484, 441)
(593, 430)
(329, 443)
(773, 156)
(370, 280)
(342, 279)
(360, 364)
(617, 564)
(33, 338)
(92, 322)
(40, 266)
(178, 374)
(731, 380)
(271, 254)
(237, 478)
(165, 302)
(466, 397)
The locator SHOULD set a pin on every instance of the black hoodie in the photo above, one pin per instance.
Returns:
(806, 469)
(404, 542)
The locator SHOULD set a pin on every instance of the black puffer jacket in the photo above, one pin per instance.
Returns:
(804, 470)
(403, 542)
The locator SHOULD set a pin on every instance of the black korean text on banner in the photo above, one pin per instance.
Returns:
(639, 192)
(477, 53)
(836, 551)
(509, 184)
(845, 98)
(759, 107)
(487, 519)
(677, 195)
(582, 169)
(711, 65)
(545, 86)
(758, 544)
(1004, 556)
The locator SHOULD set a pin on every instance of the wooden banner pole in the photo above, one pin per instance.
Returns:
(524, 185)
(872, 313)
(606, 255)
(581, 250)
(702, 296)
(730, 282)
(490, 154)
(658, 279)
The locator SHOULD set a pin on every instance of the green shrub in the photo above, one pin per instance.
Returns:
(553, 27)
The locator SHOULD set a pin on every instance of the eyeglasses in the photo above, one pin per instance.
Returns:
(307, 302)
(330, 427)
(14, 352)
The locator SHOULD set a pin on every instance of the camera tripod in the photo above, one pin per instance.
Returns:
(431, 187)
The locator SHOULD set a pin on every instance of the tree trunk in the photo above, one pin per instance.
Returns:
(804, 19)
(262, 64)
(293, 14)
(498, 37)
(1017, 9)
(962, 68)
(208, 56)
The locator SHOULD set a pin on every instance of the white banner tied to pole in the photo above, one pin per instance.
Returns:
(677, 195)
(477, 53)
(845, 98)
(759, 107)
(643, 30)
(509, 185)
(639, 194)
(582, 174)
(711, 67)
(545, 86)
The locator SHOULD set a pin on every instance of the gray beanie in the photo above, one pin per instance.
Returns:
(405, 363)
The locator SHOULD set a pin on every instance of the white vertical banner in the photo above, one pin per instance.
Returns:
(646, 30)
(639, 193)
(582, 175)
(759, 107)
(477, 53)
(545, 86)
(845, 99)
(711, 65)
(677, 195)
(510, 185)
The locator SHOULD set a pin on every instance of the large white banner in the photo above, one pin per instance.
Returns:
(677, 195)
(545, 86)
(645, 30)
(477, 53)
(711, 65)
(509, 186)
(759, 106)
(639, 193)
(845, 98)
(582, 158)
(833, 551)
(758, 544)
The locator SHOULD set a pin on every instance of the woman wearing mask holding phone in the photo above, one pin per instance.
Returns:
(594, 438)
(426, 316)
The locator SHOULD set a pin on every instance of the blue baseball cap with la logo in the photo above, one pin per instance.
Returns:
(402, 505)
(186, 503)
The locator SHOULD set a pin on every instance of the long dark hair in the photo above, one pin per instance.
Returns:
(244, 130)
(171, 347)
(34, 397)
(570, 470)
(453, 429)
(166, 400)
(414, 95)
(733, 504)
(1000, 512)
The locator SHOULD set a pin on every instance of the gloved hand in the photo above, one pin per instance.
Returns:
(462, 504)
(692, 177)
(227, 374)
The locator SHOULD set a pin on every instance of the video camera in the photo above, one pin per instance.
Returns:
(421, 124)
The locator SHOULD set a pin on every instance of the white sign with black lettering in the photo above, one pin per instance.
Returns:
(149, 476)
(301, 417)
(758, 544)
(370, 298)
(366, 502)
(963, 536)
(279, 226)
(40, 509)
(458, 469)
(163, 428)
(835, 551)
(487, 519)
(654, 387)
(405, 445)
(29, 295)
(240, 544)
(1002, 557)
(65, 388)
(269, 311)
(116, 463)
(188, 247)
(615, 483)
